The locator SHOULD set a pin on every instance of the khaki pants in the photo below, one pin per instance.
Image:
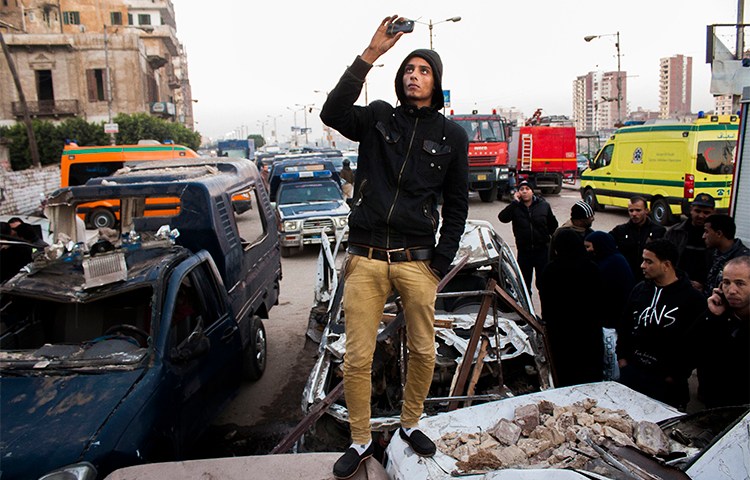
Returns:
(368, 284)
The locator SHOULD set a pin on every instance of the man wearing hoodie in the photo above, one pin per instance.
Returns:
(409, 156)
(633, 235)
(653, 344)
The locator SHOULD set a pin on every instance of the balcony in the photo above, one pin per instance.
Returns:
(48, 108)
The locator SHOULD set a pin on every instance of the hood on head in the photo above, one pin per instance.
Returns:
(431, 57)
(569, 245)
(604, 244)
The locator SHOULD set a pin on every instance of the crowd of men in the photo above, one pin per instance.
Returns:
(673, 300)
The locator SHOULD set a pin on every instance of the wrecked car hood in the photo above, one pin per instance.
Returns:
(49, 421)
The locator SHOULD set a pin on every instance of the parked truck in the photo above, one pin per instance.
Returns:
(236, 148)
(543, 152)
(489, 135)
(122, 352)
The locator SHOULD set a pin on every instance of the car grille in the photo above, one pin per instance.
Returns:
(482, 159)
(316, 225)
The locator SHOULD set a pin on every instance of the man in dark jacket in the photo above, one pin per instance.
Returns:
(718, 233)
(688, 237)
(632, 236)
(533, 223)
(722, 339)
(409, 156)
(653, 344)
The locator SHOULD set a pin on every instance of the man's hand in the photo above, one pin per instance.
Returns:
(716, 303)
(381, 42)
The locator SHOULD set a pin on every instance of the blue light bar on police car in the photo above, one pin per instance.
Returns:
(288, 176)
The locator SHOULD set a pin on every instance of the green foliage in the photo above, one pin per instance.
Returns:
(51, 137)
(259, 140)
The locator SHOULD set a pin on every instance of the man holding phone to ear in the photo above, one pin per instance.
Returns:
(409, 157)
(721, 340)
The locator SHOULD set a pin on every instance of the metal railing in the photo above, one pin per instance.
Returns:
(42, 108)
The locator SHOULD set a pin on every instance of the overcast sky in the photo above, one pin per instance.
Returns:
(252, 61)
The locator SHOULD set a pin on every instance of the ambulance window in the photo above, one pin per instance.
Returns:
(715, 157)
(605, 157)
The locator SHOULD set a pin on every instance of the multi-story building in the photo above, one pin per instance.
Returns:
(64, 50)
(675, 86)
(725, 104)
(599, 100)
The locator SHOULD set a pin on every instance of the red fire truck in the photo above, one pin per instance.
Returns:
(544, 152)
(488, 152)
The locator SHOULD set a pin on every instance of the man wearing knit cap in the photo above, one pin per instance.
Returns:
(409, 157)
(581, 219)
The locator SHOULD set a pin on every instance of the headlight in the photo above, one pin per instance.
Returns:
(78, 471)
(341, 221)
(291, 225)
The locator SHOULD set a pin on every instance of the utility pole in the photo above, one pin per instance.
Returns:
(33, 149)
(109, 84)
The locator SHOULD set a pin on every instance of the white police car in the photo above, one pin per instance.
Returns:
(307, 204)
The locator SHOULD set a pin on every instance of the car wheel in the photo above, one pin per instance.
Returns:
(254, 361)
(661, 214)
(102, 218)
(488, 196)
(590, 197)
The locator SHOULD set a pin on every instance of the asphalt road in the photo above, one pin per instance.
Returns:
(262, 412)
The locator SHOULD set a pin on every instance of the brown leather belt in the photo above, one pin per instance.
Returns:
(392, 255)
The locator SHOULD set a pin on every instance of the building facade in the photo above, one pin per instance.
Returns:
(94, 59)
(599, 101)
(675, 86)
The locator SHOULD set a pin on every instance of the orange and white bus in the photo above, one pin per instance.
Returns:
(80, 164)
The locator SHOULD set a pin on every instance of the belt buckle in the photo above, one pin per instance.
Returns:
(388, 253)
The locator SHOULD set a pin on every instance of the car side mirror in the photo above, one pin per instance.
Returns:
(194, 346)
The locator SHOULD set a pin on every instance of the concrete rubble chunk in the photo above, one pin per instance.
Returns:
(526, 417)
(546, 435)
(506, 432)
(650, 438)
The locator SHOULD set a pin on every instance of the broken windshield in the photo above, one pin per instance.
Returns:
(112, 331)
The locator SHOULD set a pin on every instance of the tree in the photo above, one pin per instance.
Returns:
(51, 138)
(258, 139)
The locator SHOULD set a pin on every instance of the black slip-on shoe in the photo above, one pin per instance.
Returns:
(419, 442)
(348, 464)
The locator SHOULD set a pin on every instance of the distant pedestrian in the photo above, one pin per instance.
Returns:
(632, 236)
(688, 237)
(347, 174)
(533, 223)
(571, 293)
(581, 219)
(653, 344)
(718, 233)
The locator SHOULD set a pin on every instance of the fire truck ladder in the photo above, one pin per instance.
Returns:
(527, 146)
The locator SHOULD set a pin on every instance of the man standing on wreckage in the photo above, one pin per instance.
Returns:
(409, 156)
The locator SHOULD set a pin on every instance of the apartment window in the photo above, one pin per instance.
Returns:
(130, 18)
(95, 84)
(115, 18)
(71, 18)
(144, 19)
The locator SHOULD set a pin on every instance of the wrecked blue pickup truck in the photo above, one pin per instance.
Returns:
(122, 350)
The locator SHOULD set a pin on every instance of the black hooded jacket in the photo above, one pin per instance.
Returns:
(408, 158)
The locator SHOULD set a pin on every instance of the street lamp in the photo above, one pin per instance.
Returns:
(618, 99)
(275, 134)
(304, 109)
(430, 25)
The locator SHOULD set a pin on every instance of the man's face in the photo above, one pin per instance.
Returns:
(699, 214)
(526, 193)
(710, 236)
(418, 82)
(587, 222)
(736, 285)
(638, 212)
(653, 268)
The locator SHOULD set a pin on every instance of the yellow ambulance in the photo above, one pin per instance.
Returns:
(666, 163)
